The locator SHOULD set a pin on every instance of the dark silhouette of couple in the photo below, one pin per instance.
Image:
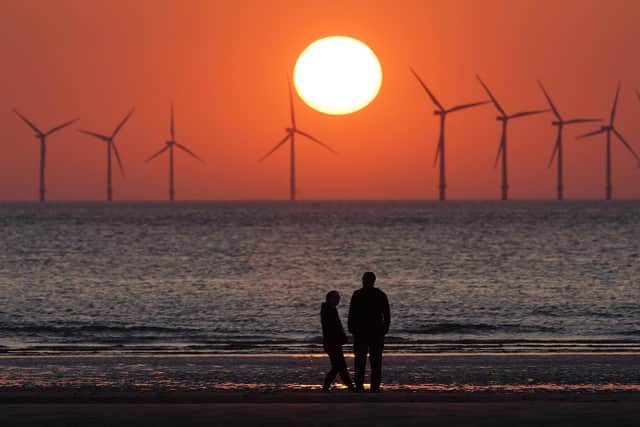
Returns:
(369, 320)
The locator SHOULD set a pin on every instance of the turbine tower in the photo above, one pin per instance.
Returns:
(291, 134)
(608, 130)
(442, 112)
(169, 146)
(111, 147)
(502, 150)
(42, 136)
(560, 123)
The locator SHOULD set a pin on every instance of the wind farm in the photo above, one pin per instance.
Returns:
(291, 138)
(502, 150)
(608, 130)
(112, 148)
(442, 113)
(169, 146)
(292, 131)
(42, 137)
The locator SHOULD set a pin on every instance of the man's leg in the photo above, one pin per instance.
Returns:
(360, 348)
(376, 347)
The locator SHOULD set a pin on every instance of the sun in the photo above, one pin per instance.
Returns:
(337, 75)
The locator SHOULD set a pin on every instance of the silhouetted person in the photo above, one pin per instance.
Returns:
(333, 337)
(369, 320)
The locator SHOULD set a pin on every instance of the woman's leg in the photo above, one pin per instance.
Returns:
(341, 364)
(331, 375)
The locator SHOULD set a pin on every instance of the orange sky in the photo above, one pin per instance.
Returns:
(224, 64)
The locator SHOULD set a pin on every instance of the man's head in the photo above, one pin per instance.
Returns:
(368, 279)
(333, 298)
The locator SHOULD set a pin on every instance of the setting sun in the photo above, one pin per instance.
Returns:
(337, 75)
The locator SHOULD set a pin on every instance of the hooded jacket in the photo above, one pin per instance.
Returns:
(332, 330)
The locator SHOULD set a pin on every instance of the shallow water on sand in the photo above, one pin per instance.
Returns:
(249, 277)
(414, 373)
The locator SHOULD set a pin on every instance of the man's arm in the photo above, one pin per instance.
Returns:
(386, 312)
(350, 318)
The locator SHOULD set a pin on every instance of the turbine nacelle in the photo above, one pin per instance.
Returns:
(502, 118)
(557, 123)
(439, 112)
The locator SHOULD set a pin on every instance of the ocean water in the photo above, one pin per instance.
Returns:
(480, 277)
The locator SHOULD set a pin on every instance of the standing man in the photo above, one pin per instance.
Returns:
(369, 320)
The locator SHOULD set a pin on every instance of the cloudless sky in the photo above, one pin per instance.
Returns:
(224, 64)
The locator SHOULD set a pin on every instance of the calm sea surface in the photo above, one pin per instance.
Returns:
(250, 277)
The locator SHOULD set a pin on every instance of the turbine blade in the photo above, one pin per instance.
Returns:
(437, 156)
(493, 99)
(278, 145)
(186, 150)
(293, 116)
(115, 151)
(157, 154)
(316, 140)
(587, 135)
(495, 164)
(95, 135)
(553, 107)
(426, 89)
(173, 135)
(626, 144)
(62, 126)
(574, 121)
(556, 148)
(615, 106)
(31, 125)
(527, 113)
(115, 132)
(465, 106)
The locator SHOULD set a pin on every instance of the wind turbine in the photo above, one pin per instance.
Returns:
(442, 112)
(557, 149)
(42, 136)
(111, 147)
(608, 129)
(169, 146)
(502, 151)
(291, 133)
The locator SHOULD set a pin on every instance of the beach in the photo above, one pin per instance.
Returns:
(313, 409)
(449, 389)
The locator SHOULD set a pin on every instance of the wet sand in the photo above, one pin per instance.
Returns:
(315, 409)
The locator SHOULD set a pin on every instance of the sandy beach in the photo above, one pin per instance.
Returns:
(316, 409)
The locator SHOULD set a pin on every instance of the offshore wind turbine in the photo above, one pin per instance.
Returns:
(502, 150)
(442, 112)
(608, 129)
(291, 134)
(560, 123)
(169, 145)
(111, 148)
(42, 136)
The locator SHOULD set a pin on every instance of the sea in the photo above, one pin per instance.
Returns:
(523, 296)
(478, 277)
